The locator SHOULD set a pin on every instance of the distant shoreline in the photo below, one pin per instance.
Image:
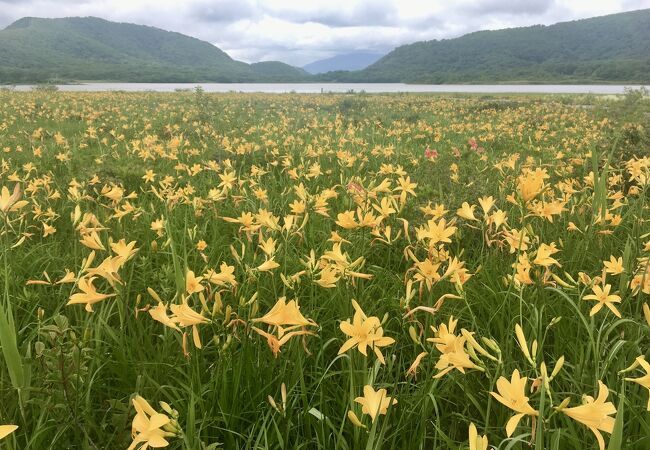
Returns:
(340, 88)
(485, 83)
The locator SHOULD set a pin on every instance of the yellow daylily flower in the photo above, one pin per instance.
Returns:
(193, 283)
(604, 298)
(346, 220)
(595, 414)
(159, 313)
(436, 232)
(374, 403)
(543, 256)
(92, 241)
(476, 442)
(149, 428)
(10, 202)
(644, 380)
(224, 277)
(512, 394)
(283, 314)
(124, 250)
(466, 211)
(276, 343)
(614, 266)
(89, 295)
(364, 332)
(531, 184)
(6, 430)
(486, 203)
(268, 265)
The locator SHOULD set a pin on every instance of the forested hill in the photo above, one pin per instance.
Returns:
(89, 48)
(613, 48)
(608, 49)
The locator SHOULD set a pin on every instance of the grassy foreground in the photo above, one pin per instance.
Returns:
(336, 272)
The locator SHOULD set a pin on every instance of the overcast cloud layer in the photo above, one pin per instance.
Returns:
(299, 32)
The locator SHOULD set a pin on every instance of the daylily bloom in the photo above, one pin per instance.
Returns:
(89, 294)
(346, 220)
(436, 232)
(644, 380)
(364, 332)
(159, 313)
(69, 277)
(543, 256)
(108, 269)
(476, 442)
(614, 266)
(10, 202)
(531, 184)
(224, 277)
(513, 395)
(595, 414)
(275, 343)
(466, 211)
(328, 277)
(518, 240)
(124, 250)
(604, 298)
(287, 318)
(185, 316)
(405, 187)
(6, 430)
(193, 283)
(374, 402)
(268, 265)
(149, 428)
(285, 314)
(457, 359)
(486, 203)
(452, 348)
(158, 226)
(92, 241)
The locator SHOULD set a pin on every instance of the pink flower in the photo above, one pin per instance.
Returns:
(353, 186)
(472, 143)
(430, 154)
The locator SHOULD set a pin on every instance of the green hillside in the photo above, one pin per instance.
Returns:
(608, 49)
(279, 71)
(33, 50)
(614, 48)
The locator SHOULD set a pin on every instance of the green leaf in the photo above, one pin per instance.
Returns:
(616, 439)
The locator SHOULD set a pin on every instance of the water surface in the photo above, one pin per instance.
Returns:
(311, 88)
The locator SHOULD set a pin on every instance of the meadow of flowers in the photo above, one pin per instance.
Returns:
(322, 271)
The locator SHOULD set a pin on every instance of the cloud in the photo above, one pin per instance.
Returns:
(221, 11)
(337, 14)
(509, 7)
(301, 32)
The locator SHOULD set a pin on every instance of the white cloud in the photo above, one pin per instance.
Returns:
(300, 32)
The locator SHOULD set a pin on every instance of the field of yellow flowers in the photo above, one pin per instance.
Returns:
(261, 271)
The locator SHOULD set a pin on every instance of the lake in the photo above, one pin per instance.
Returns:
(311, 88)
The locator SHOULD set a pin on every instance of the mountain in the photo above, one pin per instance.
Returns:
(613, 48)
(276, 70)
(607, 49)
(348, 61)
(89, 48)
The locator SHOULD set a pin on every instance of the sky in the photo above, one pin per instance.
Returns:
(301, 31)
